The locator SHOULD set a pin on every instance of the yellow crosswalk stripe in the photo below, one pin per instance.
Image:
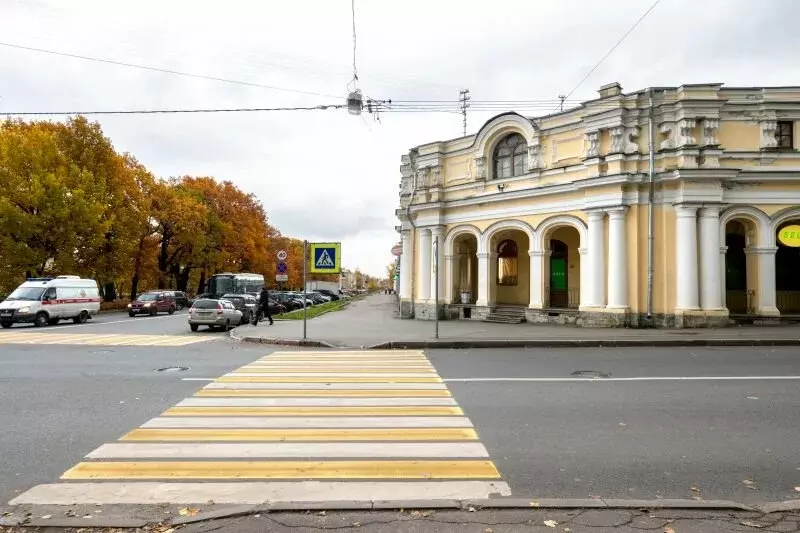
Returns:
(341, 393)
(466, 469)
(400, 410)
(301, 434)
(113, 339)
(333, 379)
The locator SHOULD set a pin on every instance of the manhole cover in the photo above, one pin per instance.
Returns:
(173, 369)
(590, 374)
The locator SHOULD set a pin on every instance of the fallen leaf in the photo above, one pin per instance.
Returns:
(356, 524)
(752, 397)
(47, 517)
(488, 530)
(697, 498)
(695, 489)
(188, 511)
(567, 530)
(426, 514)
(797, 489)
(322, 513)
(471, 509)
(550, 523)
(534, 503)
(748, 523)
(623, 424)
(748, 481)
(669, 530)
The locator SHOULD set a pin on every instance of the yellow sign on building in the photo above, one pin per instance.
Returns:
(790, 236)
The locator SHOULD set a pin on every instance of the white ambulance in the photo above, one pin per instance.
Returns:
(45, 301)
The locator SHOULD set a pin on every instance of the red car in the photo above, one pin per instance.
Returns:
(152, 303)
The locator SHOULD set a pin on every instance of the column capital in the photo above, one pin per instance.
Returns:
(764, 250)
(483, 255)
(538, 253)
(709, 211)
(723, 249)
(617, 213)
(596, 216)
(425, 231)
(686, 211)
(437, 230)
(583, 251)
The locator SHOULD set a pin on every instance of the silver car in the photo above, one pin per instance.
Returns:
(214, 314)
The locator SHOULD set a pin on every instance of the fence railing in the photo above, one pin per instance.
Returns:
(788, 301)
(562, 298)
(740, 301)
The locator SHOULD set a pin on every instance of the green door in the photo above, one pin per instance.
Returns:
(558, 282)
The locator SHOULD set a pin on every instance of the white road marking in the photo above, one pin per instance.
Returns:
(643, 378)
(290, 402)
(331, 374)
(197, 379)
(138, 319)
(248, 493)
(321, 386)
(319, 422)
(289, 450)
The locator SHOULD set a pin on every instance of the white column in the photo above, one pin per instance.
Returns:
(448, 280)
(437, 233)
(617, 259)
(483, 279)
(686, 252)
(596, 275)
(406, 267)
(723, 297)
(584, 269)
(536, 281)
(424, 267)
(710, 282)
(767, 298)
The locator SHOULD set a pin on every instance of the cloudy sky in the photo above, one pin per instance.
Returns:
(326, 175)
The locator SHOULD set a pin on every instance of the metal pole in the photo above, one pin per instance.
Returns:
(305, 299)
(651, 200)
(436, 287)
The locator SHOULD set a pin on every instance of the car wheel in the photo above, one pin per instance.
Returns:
(193, 327)
(171, 311)
(153, 312)
(81, 318)
(131, 314)
(52, 322)
(227, 326)
(6, 325)
(41, 320)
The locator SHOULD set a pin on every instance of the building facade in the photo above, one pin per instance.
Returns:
(555, 219)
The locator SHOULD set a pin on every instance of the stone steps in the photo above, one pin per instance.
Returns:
(506, 315)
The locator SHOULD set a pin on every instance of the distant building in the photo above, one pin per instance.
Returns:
(347, 280)
(547, 218)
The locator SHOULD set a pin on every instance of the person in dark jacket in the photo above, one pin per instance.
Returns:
(263, 306)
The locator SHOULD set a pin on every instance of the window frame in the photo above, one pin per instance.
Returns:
(512, 280)
(516, 153)
(781, 134)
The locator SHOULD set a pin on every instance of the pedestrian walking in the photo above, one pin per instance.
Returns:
(263, 306)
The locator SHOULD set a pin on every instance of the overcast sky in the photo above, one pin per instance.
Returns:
(326, 175)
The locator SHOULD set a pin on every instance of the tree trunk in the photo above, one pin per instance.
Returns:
(110, 292)
(183, 278)
(163, 261)
(134, 286)
(201, 285)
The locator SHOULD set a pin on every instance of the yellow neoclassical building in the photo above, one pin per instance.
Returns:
(669, 206)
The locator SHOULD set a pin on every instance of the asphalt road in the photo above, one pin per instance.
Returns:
(641, 439)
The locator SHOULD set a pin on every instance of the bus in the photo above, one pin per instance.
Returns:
(229, 283)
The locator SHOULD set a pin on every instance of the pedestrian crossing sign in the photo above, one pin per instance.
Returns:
(325, 258)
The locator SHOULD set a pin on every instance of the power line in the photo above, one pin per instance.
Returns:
(463, 100)
(591, 71)
(165, 70)
(175, 111)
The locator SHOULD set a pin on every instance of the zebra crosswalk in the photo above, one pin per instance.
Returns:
(95, 339)
(295, 427)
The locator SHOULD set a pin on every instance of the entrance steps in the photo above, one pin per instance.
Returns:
(506, 315)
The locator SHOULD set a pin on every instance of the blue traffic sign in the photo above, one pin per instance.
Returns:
(282, 268)
(325, 258)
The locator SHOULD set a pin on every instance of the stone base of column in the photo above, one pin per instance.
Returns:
(699, 318)
(543, 316)
(604, 317)
(406, 309)
(427, 310)
(768, 311)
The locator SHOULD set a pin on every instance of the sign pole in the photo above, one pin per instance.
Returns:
(305, 300)
(436, 287)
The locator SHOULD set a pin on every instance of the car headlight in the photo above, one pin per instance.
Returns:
(129, 306)
(25, 309)
(147, 305)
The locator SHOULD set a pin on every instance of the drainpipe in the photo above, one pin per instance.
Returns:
(651, 200)
(412, 156)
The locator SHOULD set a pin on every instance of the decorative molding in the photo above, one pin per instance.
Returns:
(768, 130)
(480, 168)
(535, 161)
(436, 176)
(593, 141)
(631, 144)
(667, 133)
(710, 127)
(617, 135)
(686, 132)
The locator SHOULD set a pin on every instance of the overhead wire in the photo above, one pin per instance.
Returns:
(174, 111)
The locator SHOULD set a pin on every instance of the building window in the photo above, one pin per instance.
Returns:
(507, 263)
(785, 135)
(511, 157)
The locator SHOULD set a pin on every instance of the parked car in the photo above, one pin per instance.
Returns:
(316, 298)
(182, 300)
(246, 303)
(299, 297)
(214, 314)
(152, 303)
(276, 308)
(329, 293)
(45, 301)
(288, 301)
(325, 298)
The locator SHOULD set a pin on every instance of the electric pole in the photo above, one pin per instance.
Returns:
(562, 98)
(463, 104)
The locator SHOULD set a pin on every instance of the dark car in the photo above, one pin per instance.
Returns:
(316, 298)
(288, 301)
(330, 294)
(181, 299)
(152, 303)
(246, 303)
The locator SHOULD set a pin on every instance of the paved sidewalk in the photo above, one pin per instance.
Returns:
(373, 323)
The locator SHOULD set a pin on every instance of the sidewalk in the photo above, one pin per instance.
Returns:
(372, 323)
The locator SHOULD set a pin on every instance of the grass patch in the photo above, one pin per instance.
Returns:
(315, 310)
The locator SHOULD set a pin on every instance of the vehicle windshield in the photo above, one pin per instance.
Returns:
(26, 293)
(237, 302)
(147, 298)
(220, 285)
(205, 304)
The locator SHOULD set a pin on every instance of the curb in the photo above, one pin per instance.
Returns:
(529, 343)
(234, 511)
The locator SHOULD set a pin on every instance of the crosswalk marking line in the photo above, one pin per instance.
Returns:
(319, 422)
(326, 386)
(422, 469)
(116, 341)
(398, 393)
(327, 380)
(349, 364)
(138, 340)
(299, 434)
(386, 359)
(314, 411)
(302, 402)
(352, 450)
(338, 370)
(332, 374)
(255, 493)
(181, 341)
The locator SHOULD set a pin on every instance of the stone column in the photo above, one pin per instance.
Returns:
(767, 297)
(710, 282)
(449, 281)
(617, 259)
(584, 277)
(483, 279)
(723, 296)
(424, 267)
(406, 267)
(686, 252)
(536, 281)
(596, 275)
(437, 233)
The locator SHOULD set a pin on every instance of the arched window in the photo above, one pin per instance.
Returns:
(511, 157)
(507, 263)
